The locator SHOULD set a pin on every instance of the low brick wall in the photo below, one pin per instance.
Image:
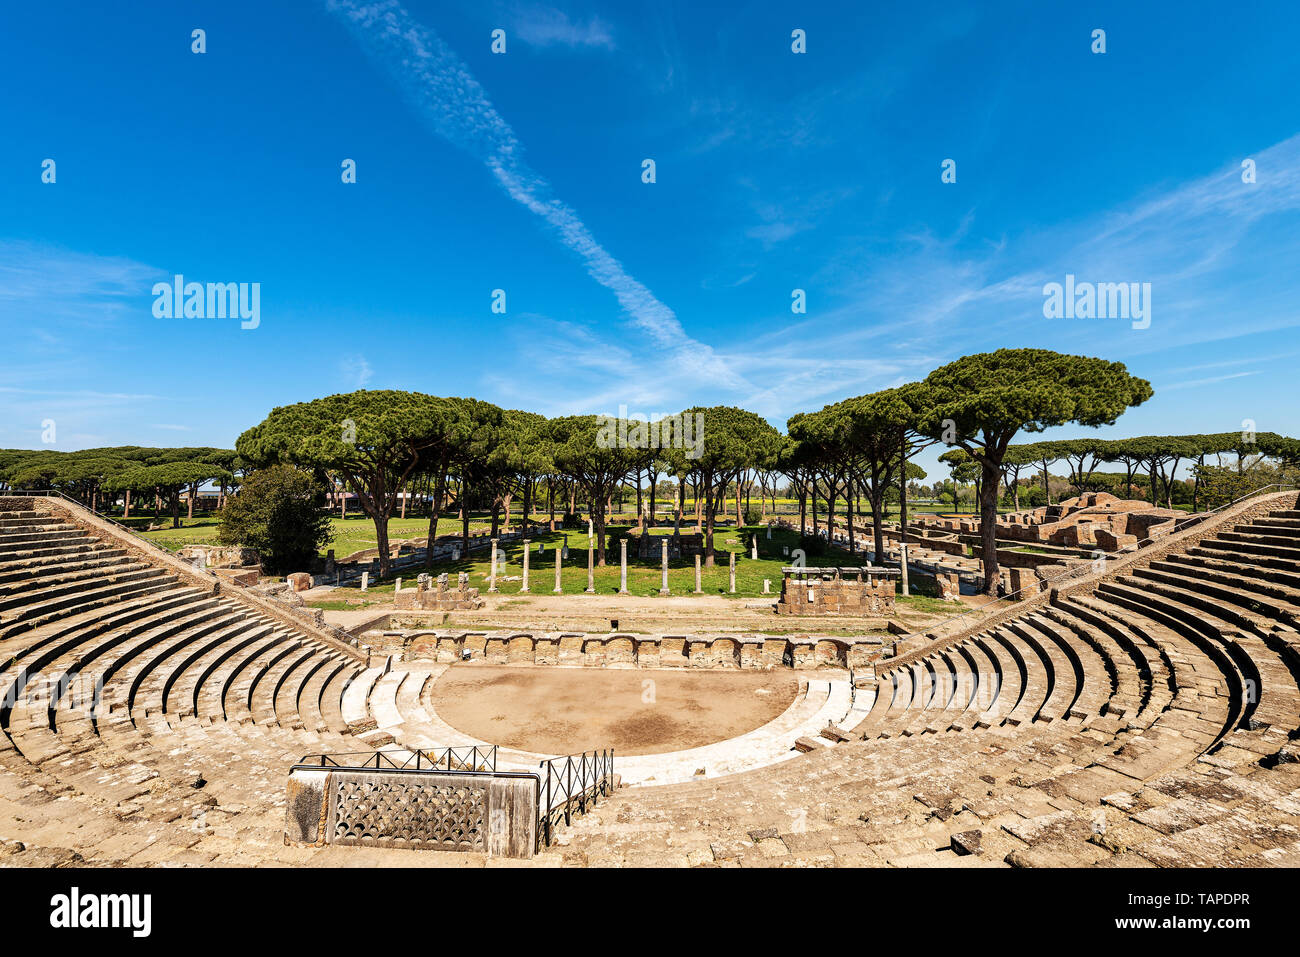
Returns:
(836, 596)
(618, 650)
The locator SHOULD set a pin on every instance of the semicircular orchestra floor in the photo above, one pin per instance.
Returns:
(566, 710)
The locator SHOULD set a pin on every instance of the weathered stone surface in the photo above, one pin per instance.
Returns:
(967, 842)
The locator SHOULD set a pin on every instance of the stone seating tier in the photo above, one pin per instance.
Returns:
(1149, 717)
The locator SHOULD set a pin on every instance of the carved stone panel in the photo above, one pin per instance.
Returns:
(443, 812)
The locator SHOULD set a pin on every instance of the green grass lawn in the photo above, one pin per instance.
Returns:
(643, 578)
(351, 534)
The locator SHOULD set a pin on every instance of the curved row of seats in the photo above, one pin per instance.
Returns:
(142, 698)
(1150, 719)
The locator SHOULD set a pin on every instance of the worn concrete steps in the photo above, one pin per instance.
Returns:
(31, 578)
(184, 683)
(221, 672)
(104, 593)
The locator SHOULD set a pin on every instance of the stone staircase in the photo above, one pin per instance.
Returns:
(1147, 717)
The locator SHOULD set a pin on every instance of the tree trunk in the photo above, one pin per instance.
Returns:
(902, 497)
(849, 489)
(598, 527)
(988, 500)
(381, 539)
(877, 499)
(830, 511)
(709, 507)
(439, 489)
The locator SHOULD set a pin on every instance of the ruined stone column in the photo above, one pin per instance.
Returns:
(365, 580)
(527, 546)
(622, 567)
(902, 546)
(492, 574)
(559, 557)
(591, 566)
(753, 550)
(698, 589)
(733, 573)
(664, 547)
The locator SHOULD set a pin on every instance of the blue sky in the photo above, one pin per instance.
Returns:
(775, 171)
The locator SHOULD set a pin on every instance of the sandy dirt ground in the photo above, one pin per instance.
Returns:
(634, 711)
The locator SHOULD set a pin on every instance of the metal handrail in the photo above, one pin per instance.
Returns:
(1195, 518)
(472, 759)
(594, 773)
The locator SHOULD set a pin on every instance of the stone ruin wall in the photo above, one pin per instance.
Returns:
(631, 651)
(836, 596)
(438, 595)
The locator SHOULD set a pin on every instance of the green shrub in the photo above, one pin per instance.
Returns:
(278, 512)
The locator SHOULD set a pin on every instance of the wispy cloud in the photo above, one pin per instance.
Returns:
(1190, 383)
(44, 286)
(356, 370)
(449, 98)
(80, 394)
(543, 26)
